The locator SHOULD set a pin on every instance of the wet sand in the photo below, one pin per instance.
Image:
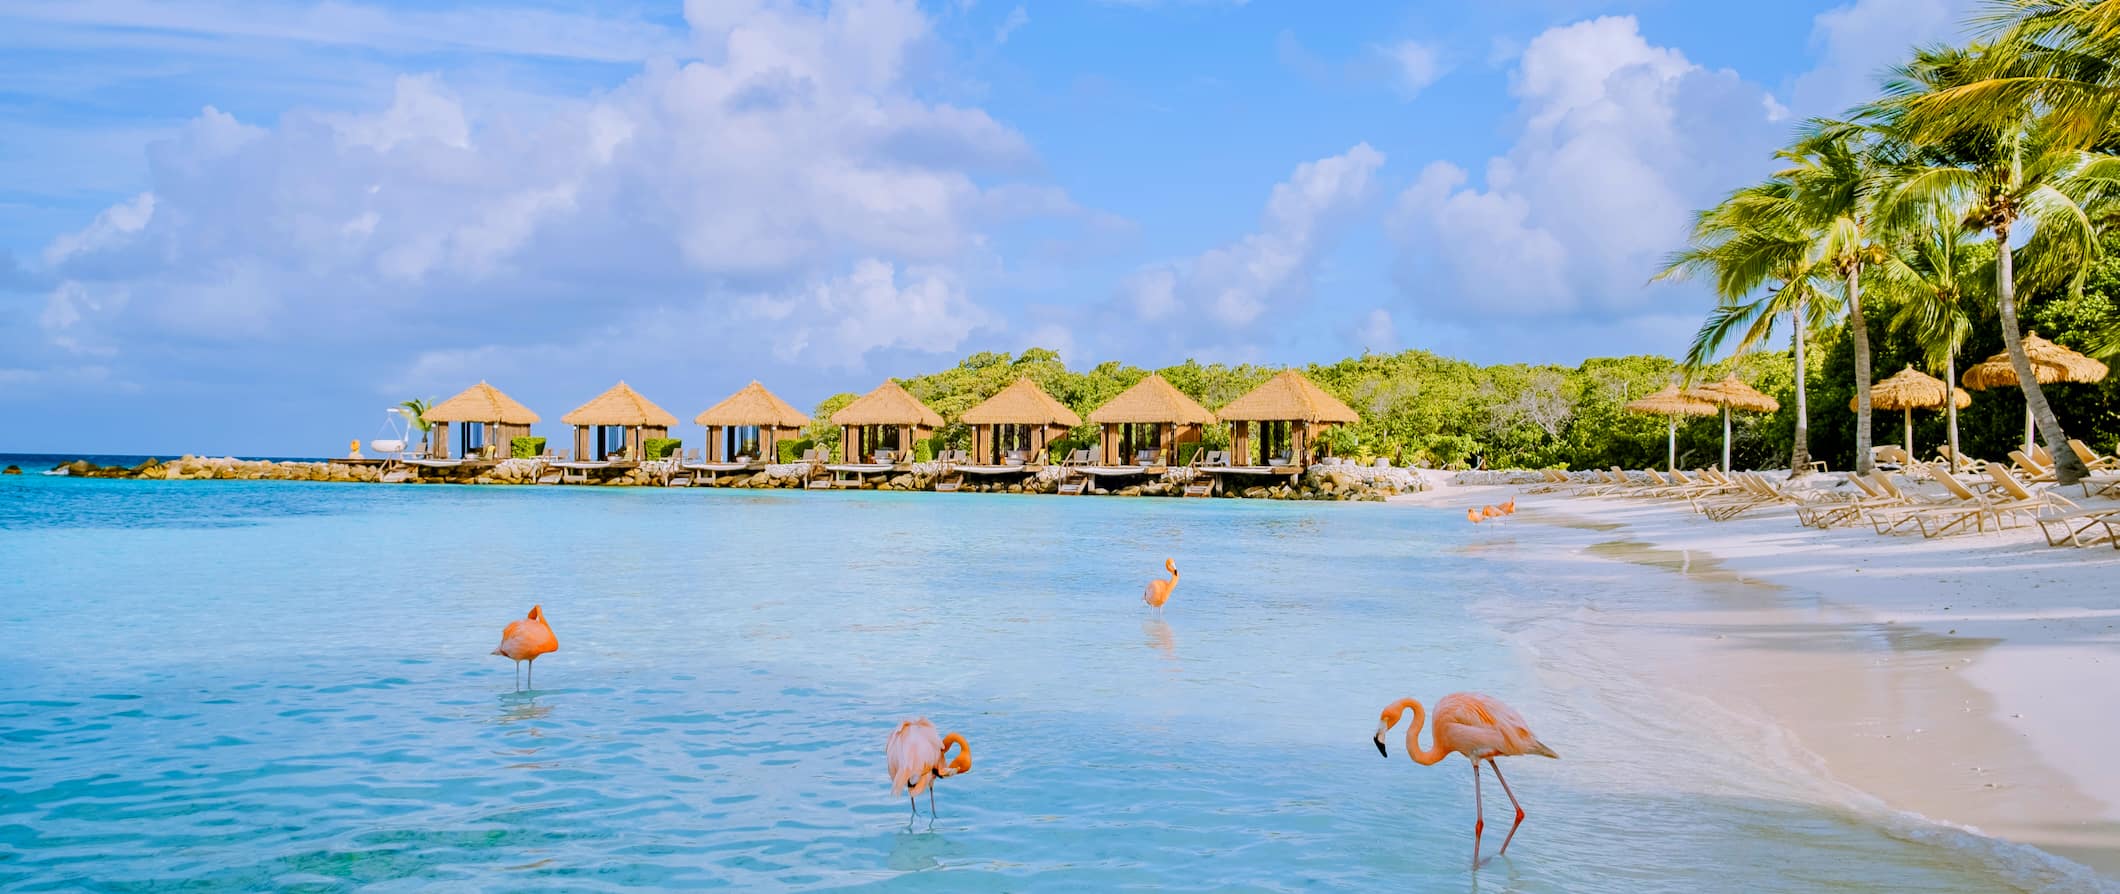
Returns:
(1972, 680)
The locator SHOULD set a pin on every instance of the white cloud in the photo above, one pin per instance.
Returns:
(1235, 283)
(793, 145)
(1376, 332)
(1621, 141)
(1017, 18)
(1417, 64)
(526, 31)
(1857, 42)
(837, 321)
(113, 226)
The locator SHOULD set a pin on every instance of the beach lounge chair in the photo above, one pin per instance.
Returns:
(1898, 509)
(1973, 507)
(2030, 467)
(1826, 513)
(2091, 459)
(1962, 463)
(2059, 518)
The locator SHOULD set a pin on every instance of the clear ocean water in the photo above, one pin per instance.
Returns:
(275, 686)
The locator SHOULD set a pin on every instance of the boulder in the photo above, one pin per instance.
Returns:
(1131, 491)
(11, 470)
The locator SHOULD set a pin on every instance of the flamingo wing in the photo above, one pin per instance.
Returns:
(911, 754)
(1481, 726)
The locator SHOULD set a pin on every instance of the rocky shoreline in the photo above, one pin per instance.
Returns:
(1333, 482)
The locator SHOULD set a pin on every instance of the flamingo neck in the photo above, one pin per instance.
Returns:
(1425, 758)
(962, 763)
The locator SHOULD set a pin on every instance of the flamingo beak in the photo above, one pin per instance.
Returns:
(1379, 740)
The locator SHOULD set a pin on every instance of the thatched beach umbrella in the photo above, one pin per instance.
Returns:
(2051, 363)
(1733, 394)
(1673, 403)
(1909, 390)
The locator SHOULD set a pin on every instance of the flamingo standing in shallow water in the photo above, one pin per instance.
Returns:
(526, 639)
(1479, 727)
(1474, 516)
(1509, 508)
(915, 757)
(1158, 591)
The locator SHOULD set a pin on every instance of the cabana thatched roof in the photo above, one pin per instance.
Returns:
(2050, 363)
(889, 404)
(1672, 402)
(1289, 396)
(620, 406)
(1152, 400)
(1732, 392)
(1021, 403)
(1911, 389)
(754, 405)
(481, 403)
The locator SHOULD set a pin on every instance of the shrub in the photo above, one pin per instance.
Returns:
(526, 448)
(1187, 451)
(792, 451)
(923, 451)
(659, 448)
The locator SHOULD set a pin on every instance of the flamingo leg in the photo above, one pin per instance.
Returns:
(530, 675)
(1479, 815)
(518, 676)
(912, 803)
(1512, 803)
(931, 801)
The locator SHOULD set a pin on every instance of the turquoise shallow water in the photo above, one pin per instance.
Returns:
(232, 685)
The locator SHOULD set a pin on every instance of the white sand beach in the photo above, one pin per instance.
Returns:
(1974, 680)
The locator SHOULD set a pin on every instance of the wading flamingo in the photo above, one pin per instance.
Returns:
(1158, 591)
(526, 639)
(1474, 516)
(1492, 511)
(915, 757)
(1479, 727)
(1509, 508)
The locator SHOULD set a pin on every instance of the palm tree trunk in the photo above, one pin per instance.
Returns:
(1950, 401)
(2068, 469)
(1862, 371)
(1800, 457)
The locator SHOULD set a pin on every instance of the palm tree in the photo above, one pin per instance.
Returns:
(417, 409)
(1835, 176)
(1746, 244)
(2058, 57)
(1937, 275)
(2012, 173)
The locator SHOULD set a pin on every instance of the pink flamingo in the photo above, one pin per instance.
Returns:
(1158, 591)
(916, 758)
(1479, 727)
(526, 639)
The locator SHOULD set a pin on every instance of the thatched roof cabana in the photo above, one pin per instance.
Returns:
(752, 419)
(619, 408)
(888, 418)
(1152, 415)
(1020, 417)
(1288, 412)
(488, 418)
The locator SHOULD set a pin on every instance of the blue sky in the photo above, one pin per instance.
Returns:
(229, 226)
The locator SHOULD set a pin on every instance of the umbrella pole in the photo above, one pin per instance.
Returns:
(1726, 438)
(2028, 431)
(1672, 465)
(1910, 434)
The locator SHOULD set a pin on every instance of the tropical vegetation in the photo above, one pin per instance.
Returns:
(1970, 159)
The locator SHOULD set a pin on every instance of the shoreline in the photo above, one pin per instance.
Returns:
(1956, 679)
